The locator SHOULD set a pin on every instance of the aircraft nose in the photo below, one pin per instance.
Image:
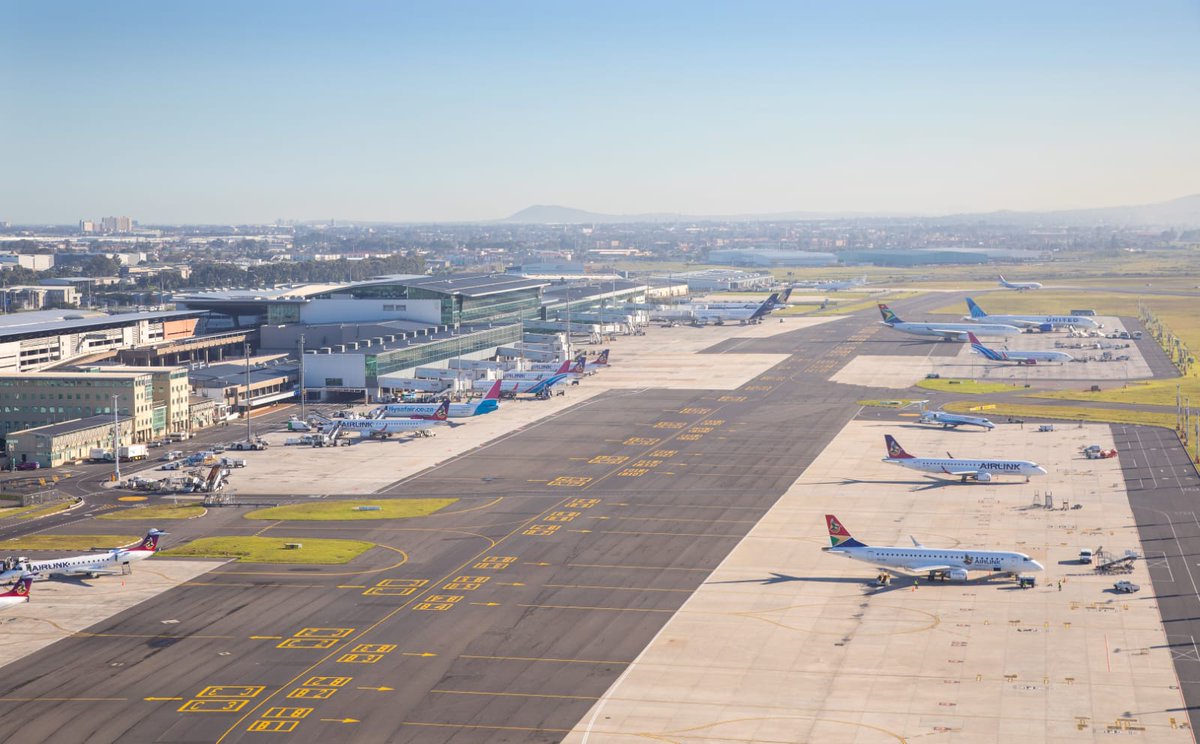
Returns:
(1037, 566)
(1040, 469)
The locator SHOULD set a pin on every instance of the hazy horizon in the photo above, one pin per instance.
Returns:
(245, 113)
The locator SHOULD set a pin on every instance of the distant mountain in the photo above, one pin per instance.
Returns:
(1181, 212)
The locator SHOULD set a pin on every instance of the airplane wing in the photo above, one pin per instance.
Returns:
(90, 572)
(950, 334)
(930, 567)
(1021, 323)
(960, 473)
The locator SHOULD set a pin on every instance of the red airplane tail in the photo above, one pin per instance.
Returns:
(21, 588)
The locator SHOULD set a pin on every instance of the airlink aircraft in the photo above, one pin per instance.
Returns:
(382, 428)
(937, 562)
(978, 470)
(19, 594)
(1019, 285)
(955, 420)
(1040, 322)
(93, 565)
(486, 404)
(1016, 355)
(947, 331)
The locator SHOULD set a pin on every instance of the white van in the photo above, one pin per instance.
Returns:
(1085, 555)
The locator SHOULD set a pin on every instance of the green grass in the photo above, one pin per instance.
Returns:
(37, 510)
(164, 511)
(1150, 392)
(891, 403)
(321, 511)
(271, 549)
(1070, 413)
(970, 387)
(66, 542)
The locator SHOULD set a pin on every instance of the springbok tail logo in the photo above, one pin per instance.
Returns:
(21, 588)
(150, 542)
(888, 315)
(839, 536)
(976, 310)
(443, 411)
(894, 450)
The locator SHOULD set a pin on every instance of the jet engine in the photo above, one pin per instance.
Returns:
(984, 477)
(1045, 327)
(958, 574)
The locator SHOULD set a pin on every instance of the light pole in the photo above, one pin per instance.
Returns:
(249, 426)
(302, 396)
(116, 441)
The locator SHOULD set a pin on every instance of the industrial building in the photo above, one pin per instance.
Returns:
(40, 399)
(709, 280)
(768, 257)
(169, 395)
(36, 340)
(66, 442)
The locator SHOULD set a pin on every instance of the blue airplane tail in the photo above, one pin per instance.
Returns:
(766, 307)
(976, 310)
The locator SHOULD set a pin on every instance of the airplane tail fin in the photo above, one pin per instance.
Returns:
(765, 308)
(787, 293)
(493, 392)
(976, 310)
(889, 316)
(978, 346)
(839, 536)
(149, 543)
(894, 450)
(602, 358)
(579, 366)
(21, 588)
(443, 411)
(566, 367)
(1002, 282)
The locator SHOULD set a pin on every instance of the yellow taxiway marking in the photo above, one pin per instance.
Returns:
(509, 583)
(538, 658)
(477, 507)
(516, 694)
(417, 653)
(534, 729)
(621, 588)
(351, 586)
(583, 607)
(649, 568)
(341, 720)
(540, 563)
(66, 700)
(378, 689)
(155, 699)
(265, 638)
(486, 604)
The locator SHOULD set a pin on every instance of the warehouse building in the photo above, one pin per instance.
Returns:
(66, 442)
(45, 398)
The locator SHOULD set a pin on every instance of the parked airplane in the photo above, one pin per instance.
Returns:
(1015, 355)
(382, 428)
(589, 368)
(978, 470)
(486, 404)
(1019, 285)
(954, 420)
(782, 302)
(947, 331)
(538, 388)
(937, 562)
(92, 565)
(570, 365)
(19, 593)
(834, 285)
(703, 315)
(1040, 322)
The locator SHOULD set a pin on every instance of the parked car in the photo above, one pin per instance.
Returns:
(173, 465)
(1126, 587)
(29, 465)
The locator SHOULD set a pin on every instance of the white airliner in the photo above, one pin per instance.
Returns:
(569, 366)
(1041, 322)
(19, 594)
(704, 314)
(540, 388)
(591, 367)
(93, 565)
(1019, 285)
(978, 470)
(1016, 355)
(382, 428)
(486, 404)
(947, 331)
(937, 562)
(954, 420)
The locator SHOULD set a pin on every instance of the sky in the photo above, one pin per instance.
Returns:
(238, 112)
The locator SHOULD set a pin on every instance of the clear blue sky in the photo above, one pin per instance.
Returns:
(248, 111)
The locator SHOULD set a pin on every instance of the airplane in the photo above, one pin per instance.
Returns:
(782, 302)
(834, 285)
(954, 420)
(486, 404)
(1040, 322)
(571, 365)
(1019, 286)
(92, 565)
(589, 368)
(946, 331)
(703, 315)
(937, 562)
(382, 428)
(537, 388)
(982, 471)
(19, 593)
(1014, 355)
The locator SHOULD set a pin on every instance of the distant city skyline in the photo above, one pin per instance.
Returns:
(249, 112)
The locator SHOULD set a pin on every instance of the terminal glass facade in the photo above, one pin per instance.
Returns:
(436, 351)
